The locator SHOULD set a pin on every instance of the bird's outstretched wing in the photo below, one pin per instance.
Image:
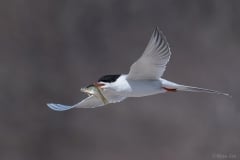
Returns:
(89, 102)
(152, 63)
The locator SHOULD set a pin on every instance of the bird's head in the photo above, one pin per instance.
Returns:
(105, 81)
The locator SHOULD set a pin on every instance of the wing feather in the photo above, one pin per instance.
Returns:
(89, 102)
(152, 63)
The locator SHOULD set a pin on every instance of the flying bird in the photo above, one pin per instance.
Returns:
(143, 79)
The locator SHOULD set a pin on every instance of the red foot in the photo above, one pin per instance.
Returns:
(170, 89)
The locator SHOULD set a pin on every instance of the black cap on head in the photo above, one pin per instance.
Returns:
(109, 78)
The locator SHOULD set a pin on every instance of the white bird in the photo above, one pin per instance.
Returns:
(143, 79)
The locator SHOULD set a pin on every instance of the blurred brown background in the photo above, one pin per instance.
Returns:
(50, 49)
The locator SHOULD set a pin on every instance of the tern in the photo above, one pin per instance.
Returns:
(143, 79)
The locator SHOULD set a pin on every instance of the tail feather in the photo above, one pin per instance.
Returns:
(197, 89)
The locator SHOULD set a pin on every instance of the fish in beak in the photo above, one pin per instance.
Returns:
(95, 89)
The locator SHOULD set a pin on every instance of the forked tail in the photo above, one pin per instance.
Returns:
(197, 89)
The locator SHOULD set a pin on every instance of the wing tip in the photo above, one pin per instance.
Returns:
(157, 31)
(58, 107)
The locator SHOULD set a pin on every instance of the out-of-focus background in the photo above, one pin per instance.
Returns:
(50, 49)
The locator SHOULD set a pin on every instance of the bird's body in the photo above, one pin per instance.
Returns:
(133, 88)
(124, 88)
(143, 79)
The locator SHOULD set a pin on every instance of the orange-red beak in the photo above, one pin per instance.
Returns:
(99, 84)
